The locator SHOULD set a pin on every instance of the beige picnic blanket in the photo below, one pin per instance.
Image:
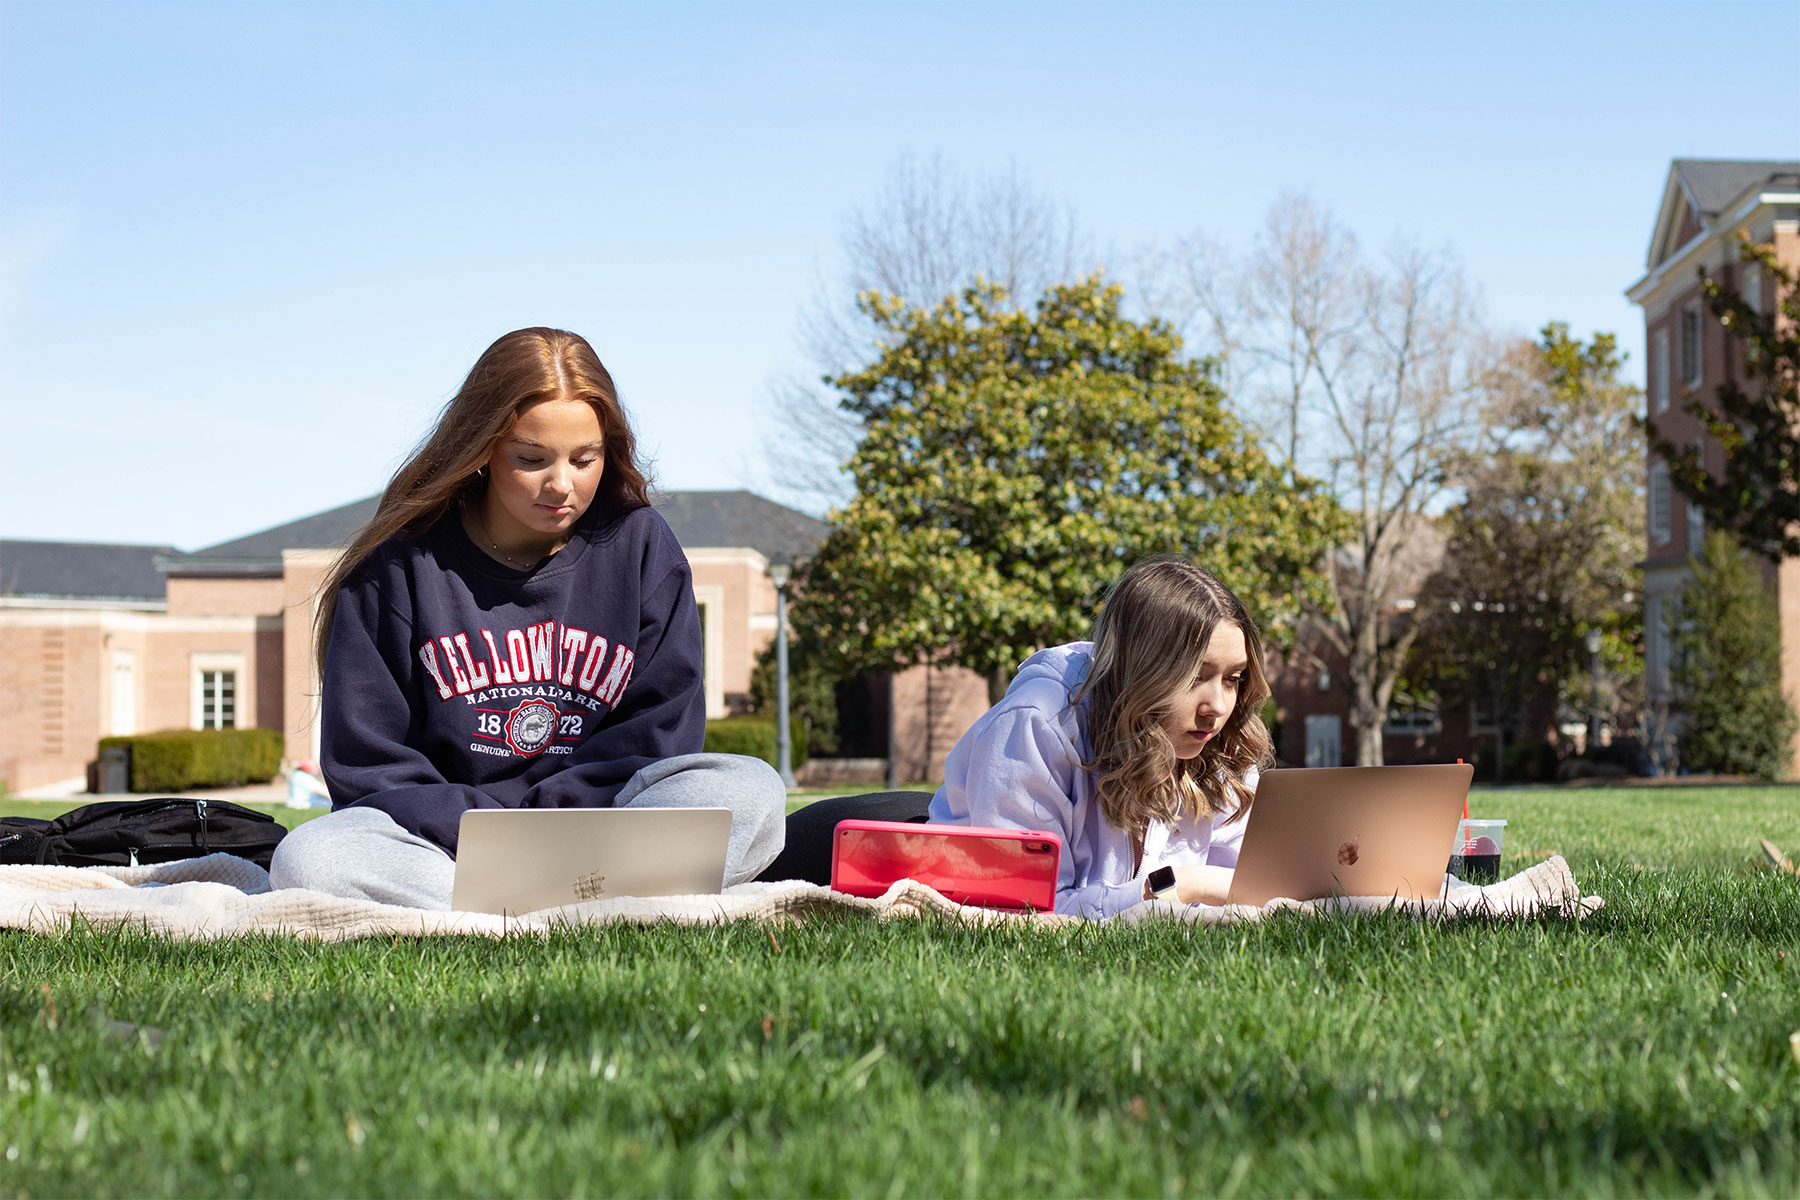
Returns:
(222, 896)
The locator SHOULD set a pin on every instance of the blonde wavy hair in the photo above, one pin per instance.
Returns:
(1149, 640)
(445, 469)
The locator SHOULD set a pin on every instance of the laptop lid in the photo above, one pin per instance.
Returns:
(520, 860)
(1350, 831)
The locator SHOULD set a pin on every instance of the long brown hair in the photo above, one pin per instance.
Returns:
(1149, 640)
(521, 368)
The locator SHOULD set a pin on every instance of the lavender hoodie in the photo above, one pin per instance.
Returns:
(1019, 767)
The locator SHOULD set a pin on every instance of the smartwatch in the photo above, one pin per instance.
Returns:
(1160, 883)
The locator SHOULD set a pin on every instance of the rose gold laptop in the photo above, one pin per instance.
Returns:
(1350, 831)
(520, 860)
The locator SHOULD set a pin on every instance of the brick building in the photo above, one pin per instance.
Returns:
(110, 639)
(1706, 205)
(1312, 695)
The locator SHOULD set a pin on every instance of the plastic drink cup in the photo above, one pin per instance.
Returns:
(1476, 856)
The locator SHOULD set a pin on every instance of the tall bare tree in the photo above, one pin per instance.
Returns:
(930, 233)
(1361, 372)
(1543, 547)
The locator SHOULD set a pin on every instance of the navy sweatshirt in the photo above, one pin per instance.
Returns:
(454, 682)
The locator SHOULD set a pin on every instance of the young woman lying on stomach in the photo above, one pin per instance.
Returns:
(1140, 748)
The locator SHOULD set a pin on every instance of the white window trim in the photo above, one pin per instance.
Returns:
(711, 599)
(1657, 645)
(212, 660)
(123, 724)
(1661, 364)
(1750, 286)
(1699, 372)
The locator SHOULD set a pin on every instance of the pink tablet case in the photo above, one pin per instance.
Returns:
(993, 868)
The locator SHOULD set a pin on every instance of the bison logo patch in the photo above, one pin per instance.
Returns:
(530, 727)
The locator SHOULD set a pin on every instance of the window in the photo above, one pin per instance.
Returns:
(1324, 740)
(1659, 504)
(1412, 722)
(1658, 645)
(1696, 520)
(710, 600)
(124, 693)
(218, 699)
(1750, 286)
(1690, 345)
(216, 702)
(1659, 377)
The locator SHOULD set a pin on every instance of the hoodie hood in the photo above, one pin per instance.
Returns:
(1065, 667)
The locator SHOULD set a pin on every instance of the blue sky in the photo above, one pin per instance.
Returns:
(248, 249)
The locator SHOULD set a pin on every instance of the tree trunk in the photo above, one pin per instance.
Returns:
(1368, 694)
(1366, 722)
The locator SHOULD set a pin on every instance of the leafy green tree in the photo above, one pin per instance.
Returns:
(1727, 671)
(812, 694)
(1544, 545)
(1014, 462)
(1755, 415)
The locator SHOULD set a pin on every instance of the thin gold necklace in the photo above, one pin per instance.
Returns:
(481, 524)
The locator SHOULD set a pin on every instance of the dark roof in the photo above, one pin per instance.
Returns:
(328, 530)
(80, 571)
(1716, 182)
(260, 553)
(699, 519)
(741, 519)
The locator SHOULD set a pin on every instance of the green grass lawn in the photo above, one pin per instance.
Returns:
(1642, 1052)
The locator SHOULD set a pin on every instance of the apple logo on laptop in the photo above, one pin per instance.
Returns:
(591, 886)
(1348, 853)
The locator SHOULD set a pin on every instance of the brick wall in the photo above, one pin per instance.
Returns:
(933, 708)
(203, 597)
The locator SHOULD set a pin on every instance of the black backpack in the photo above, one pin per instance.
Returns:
(126, 833)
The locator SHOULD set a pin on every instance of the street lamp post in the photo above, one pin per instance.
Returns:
(779, 573)
(1593, 649)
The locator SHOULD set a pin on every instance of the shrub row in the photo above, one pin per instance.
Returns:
(177, 759)
(755, 736)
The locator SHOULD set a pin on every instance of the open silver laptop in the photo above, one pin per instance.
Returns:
(520, 860)
(1350, 831)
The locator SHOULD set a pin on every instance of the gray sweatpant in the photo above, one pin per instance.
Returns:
(362, 854)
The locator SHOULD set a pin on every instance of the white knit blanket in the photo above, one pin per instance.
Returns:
(222, 896)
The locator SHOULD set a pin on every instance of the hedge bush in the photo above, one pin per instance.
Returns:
(1530, 760)
(177, 759)
(755, 736)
